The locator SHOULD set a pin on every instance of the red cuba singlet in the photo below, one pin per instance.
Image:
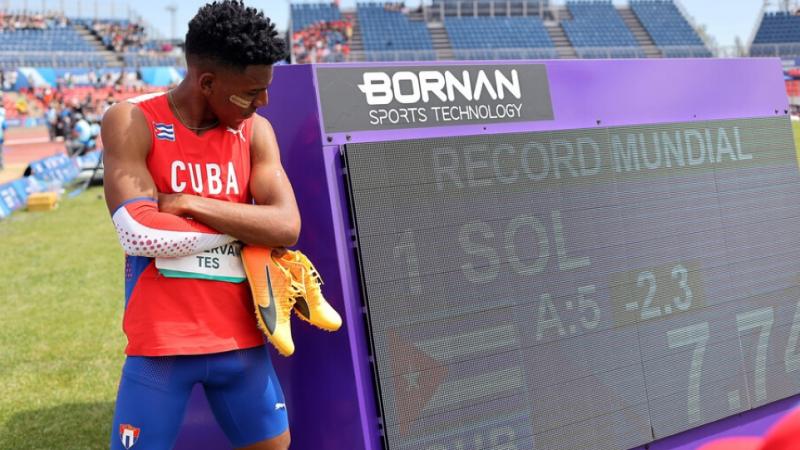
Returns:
(185, 306)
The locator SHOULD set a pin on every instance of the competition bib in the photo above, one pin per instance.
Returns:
(223, 263)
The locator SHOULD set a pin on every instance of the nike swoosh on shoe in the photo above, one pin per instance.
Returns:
(269, 313)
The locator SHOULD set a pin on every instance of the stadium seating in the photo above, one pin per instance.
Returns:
(778, 35)
(389, 34)
(63, 39)
(53, 46)
(305, 14)
(670, 31)
(598, 31)
(152, 59)
(44, 59)
(512, 37)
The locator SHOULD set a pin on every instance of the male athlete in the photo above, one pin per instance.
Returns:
(188, 174)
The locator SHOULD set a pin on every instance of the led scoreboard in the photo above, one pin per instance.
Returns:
(584, 289)
(558, 255)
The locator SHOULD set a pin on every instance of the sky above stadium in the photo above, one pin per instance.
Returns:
(723, 20)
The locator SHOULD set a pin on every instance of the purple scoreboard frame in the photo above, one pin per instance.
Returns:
(328, 383)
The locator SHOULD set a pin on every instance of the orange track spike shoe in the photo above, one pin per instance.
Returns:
(274, 293)
(311, 307)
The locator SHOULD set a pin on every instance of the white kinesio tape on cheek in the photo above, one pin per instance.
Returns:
(239, 101)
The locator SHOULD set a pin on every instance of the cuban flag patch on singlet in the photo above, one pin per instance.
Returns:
(165, 131)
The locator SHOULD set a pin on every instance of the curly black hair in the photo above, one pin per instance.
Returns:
(229, 33)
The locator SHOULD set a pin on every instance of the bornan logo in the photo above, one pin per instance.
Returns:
(409, 87)
(129, 434)
(165, 131)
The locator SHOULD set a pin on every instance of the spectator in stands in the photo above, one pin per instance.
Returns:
(108, 104)
(11, 22)
(392, 7)
(322, 42)
(9, 80)
(81, 140)
(72, 93)
(21, 105)
(117, 37)
(64, 124)
(51, 118)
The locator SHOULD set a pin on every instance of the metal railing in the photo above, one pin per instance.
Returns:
(153, 59)
(51, 59)
(523, 53)
(437, 10)
(779, 50)
(685, 51)
(90, 60)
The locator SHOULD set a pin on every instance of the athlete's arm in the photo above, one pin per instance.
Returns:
(273, 221)
(131, 193)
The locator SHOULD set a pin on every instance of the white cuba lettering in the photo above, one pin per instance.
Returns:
(176, 166)
(214, 181)
(196, 177)
(208, 176)
(233, 183)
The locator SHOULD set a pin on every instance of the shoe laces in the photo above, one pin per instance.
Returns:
(286, 304)
(311, 271)
(293, 290)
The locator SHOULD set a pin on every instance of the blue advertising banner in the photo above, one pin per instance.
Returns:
(4, 212)
(55, 168)
(10, 197)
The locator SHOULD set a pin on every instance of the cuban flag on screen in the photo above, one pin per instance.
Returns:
(165, 131)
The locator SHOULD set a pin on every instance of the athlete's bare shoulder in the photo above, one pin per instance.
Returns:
(263, 143)
(124, 129)
(126, 143)
(262, 124)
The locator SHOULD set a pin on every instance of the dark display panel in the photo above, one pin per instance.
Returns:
(585, 289)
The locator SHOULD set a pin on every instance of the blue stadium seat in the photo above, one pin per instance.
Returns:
(55, 46)
(598, 31)
(305, 14)
(778, 35)
(63, 39)
(63, 47)
(510, 37)
(387, 31)
(669, 29)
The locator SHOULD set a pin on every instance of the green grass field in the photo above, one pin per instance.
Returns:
(61, 343)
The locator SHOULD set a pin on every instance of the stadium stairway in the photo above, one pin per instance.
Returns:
(112, 59)
(441, 42)
(558, 36)
(439, 39)
(642, 36)
(357, 41)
